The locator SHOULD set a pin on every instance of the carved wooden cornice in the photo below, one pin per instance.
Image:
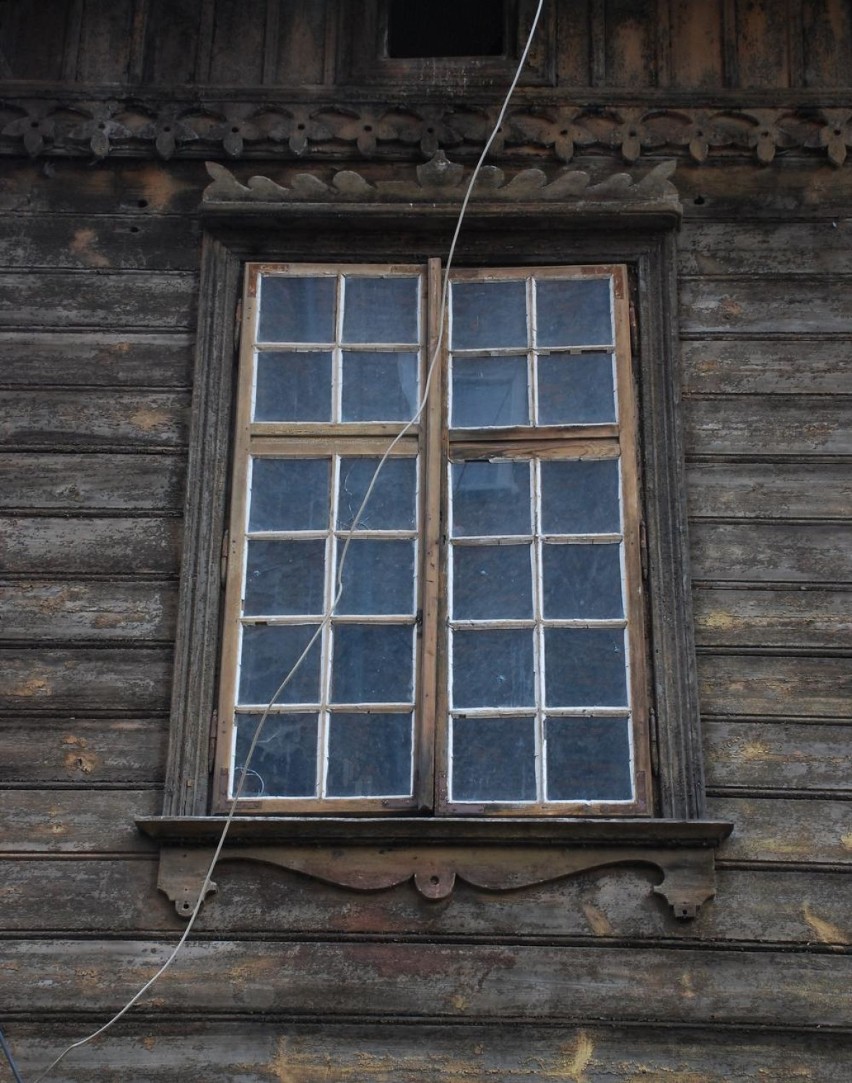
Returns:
(439, 182)
(371, 130)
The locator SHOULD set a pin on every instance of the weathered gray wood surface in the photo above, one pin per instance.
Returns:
(46, 545)
(96, 612)
(771, 551)
(120, 482)
(223, 1051)
(472, 982)
(95, 358)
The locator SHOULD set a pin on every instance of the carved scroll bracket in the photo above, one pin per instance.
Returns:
(515, 856)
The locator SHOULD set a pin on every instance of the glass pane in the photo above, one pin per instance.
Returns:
(574, 312)
(297, 309)
(585, 667)
(284, 578)
(293, 387)
(582, 581)
(373, 663)
(493, 668)
(378, 577)
(490, 498)
(380, 310)
(369, 755)
(489, 391)
(392, 502)
(486, 314)
(588, 759)
(270, 651)
(576, 389)
(491, 581)
(580, 497)
(284, 761)
(289, 494)
(493, 759)
(379, 386)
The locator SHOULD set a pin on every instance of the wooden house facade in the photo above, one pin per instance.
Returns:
(149, 151)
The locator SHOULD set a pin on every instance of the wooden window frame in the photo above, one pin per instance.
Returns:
(495, 852)
(435, 444)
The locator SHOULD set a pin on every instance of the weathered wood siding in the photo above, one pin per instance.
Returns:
(590, 979)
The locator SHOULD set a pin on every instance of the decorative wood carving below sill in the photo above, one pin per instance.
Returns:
(377, 855)
(441, 181)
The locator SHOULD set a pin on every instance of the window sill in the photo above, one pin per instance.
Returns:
(496, 854)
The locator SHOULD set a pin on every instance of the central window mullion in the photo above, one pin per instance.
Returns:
(328, 631)
(538, 630)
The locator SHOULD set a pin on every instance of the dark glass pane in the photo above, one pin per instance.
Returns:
(582, 581)
(270, 651)
(491, 581)
(378, 577)
(588, 759)
(289, 494)
(585, 667)
(380, 310)
(297, 309)
(369, 755)
(580, 497)
(576, 389)
(373, 663)
(574, 313)
(293, 387)
(379, 386)
(493, 759)
(490, 498)
(489, 391)
(493, 668)
(446, 28)
(392, 503)
(488, 314)
(284, 761)
(284, 578)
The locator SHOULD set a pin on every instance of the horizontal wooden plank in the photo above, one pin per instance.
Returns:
(91, 418)
(761, 425)
(785, 686)
(764, 305)
(725, 248)
(87, 419)
(85, 679)
(469, 982)
(772, 618)
(769, 490)
(116, 186)
(95, 358)
(792, 189)
(771, 552)
(802, 830)
(801, 365)
(180, 1051)
(133, 299)
(91, 611)
(82, 750)
(134, 242)
(119, 482)
(777, 755)
(75, 821)
(120, 895)
(63, 546)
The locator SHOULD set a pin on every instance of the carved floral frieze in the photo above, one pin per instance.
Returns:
(374, 131)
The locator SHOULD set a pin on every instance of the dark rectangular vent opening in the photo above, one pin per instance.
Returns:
(439, 28)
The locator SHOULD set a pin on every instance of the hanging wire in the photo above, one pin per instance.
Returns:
(4, 1045)
(339, 581)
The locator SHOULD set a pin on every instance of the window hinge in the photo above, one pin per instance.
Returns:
(223, 557)
(211, 744)
(655, 744)
(643, 548)
(634, 331)
(238, 327)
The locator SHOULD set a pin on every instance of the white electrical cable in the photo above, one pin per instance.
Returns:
(339, 583)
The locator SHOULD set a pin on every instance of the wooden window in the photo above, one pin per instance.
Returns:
(481, 647)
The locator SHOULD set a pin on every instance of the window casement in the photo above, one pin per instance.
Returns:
(469, 637)
(517, 585)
